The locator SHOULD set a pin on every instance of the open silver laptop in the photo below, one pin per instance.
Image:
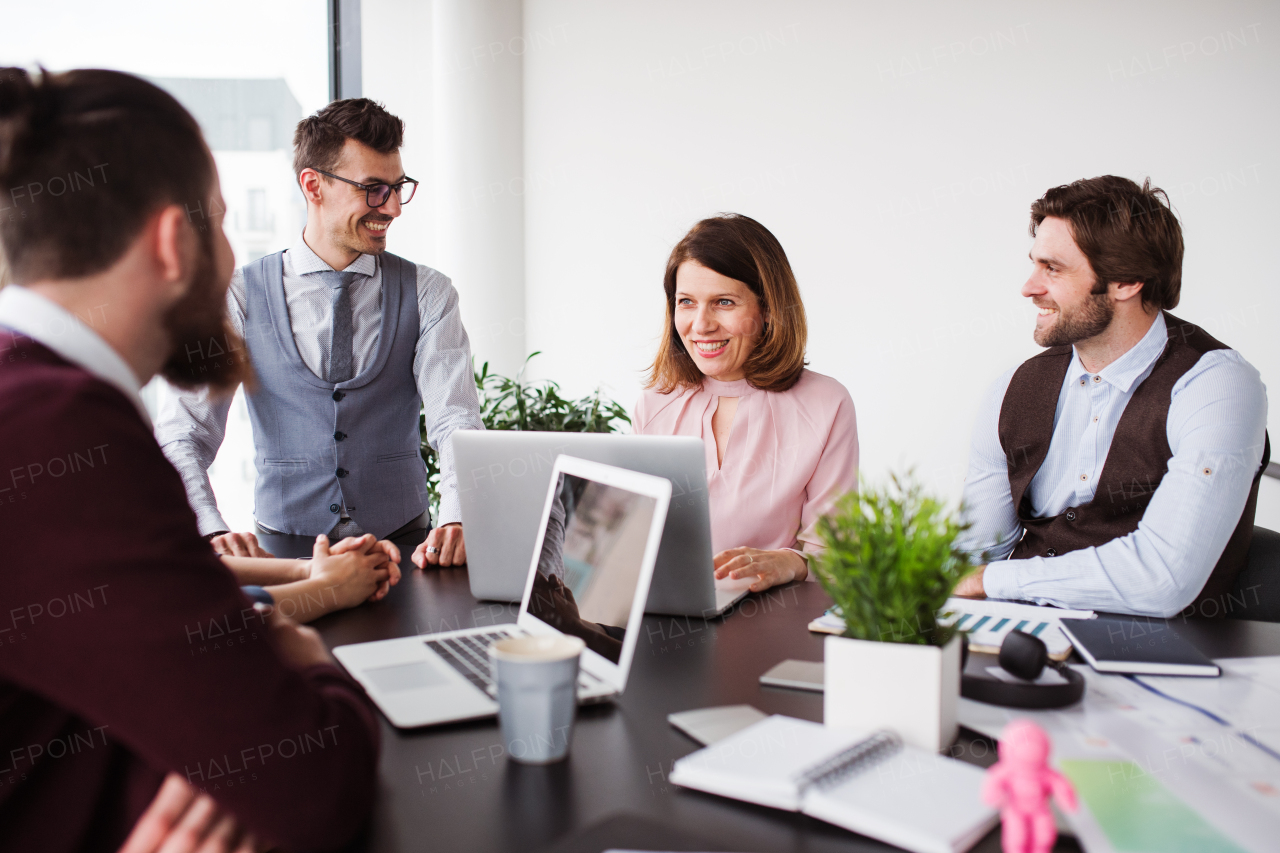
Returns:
(503, 476)
(588, 576)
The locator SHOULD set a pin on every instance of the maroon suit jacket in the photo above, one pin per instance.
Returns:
(127, 650)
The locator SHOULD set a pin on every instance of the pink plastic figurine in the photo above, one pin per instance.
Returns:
(1020, 783)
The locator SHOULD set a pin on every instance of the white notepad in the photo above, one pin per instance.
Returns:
(869, 784)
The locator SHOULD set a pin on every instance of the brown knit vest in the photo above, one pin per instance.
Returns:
(1136, 461)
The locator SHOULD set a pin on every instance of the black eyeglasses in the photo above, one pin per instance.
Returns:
(376, 195)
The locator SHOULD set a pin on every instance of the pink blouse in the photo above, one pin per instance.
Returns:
(790, 454)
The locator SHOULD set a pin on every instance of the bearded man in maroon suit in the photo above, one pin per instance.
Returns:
(142, 696)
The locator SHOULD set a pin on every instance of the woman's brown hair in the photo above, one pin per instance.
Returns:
(742, 249)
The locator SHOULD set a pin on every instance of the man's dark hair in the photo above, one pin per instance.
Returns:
(86, 157)
(1128, 233)
(318, 141)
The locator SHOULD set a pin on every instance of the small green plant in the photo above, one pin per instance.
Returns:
(890, 562)
(507, 403)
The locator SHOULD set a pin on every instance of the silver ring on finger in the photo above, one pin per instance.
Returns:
(432, 549)
(750, 559)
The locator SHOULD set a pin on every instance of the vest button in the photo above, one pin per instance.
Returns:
(1071, 515)
(334, 507)
(341, 472)
(338, 395)
(1052, 552)
(338, 436)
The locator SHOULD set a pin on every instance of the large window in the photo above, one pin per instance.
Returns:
(248, 71)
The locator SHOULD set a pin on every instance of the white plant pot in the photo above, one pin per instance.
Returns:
(911, 689)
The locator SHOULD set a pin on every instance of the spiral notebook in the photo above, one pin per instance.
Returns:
(870, 784)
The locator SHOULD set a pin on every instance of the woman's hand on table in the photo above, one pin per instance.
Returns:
(362, 543)
(770, 568)
(355, 572)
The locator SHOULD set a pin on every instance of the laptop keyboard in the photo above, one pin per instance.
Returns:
(469, 655)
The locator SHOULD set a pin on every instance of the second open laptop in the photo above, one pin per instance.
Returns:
(589, 574)
(503, 475)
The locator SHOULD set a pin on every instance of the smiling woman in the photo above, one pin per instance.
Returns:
(737, 264)
(781, 440)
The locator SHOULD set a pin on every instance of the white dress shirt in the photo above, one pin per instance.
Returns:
(192, 425)
(1216, 423)
(48, 323)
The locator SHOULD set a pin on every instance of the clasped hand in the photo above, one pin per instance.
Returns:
(770, 568)
(357, 569)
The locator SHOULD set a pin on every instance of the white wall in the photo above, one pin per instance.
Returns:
(894, 149)
(452, 69)
(395, 46)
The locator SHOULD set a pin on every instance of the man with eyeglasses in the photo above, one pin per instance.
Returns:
(347, 343)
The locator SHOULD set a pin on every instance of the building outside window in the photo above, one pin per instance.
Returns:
(247, 74)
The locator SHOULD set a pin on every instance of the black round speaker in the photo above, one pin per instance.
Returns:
(1025, 657)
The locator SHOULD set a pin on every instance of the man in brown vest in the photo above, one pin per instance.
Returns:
(1118, 469)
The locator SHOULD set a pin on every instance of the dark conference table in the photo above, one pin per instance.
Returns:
(451, 787)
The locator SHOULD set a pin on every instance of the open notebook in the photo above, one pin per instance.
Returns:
(869, 784)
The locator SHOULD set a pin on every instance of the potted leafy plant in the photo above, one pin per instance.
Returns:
(889, 566)
(507, 403)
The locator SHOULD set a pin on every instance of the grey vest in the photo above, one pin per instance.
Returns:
(319, 444)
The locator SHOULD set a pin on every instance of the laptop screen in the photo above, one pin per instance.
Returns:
(588, 573)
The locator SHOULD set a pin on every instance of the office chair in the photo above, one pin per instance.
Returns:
(1257, 589)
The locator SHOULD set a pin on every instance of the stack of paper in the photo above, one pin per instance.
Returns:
(1186, 765)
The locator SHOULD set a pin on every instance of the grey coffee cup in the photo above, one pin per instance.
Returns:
(537, 680)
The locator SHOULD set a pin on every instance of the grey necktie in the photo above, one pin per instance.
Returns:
(341, 354)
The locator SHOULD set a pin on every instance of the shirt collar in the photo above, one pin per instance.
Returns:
(719, 388)
(48, 323)
(306, 261)
(1128, 368)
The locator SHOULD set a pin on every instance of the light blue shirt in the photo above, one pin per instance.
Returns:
(1217, 420)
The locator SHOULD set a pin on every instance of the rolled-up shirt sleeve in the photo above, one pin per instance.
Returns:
(446, 380)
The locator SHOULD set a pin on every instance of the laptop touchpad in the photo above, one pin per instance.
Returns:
(406, 676)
